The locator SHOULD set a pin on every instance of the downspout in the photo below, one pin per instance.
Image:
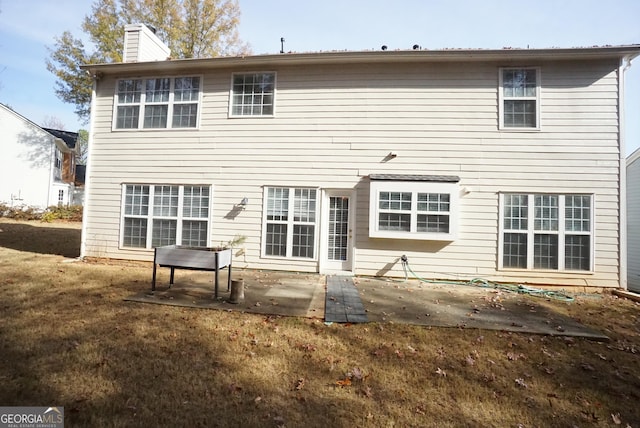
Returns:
(87, 178)
(625, 63)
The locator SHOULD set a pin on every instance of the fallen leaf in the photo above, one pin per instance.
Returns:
(378, 352)
(367, 391)
(344, 382)
(356, 374)
(234, 388)
(307, 347)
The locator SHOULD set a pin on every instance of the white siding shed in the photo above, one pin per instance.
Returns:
(633, 221)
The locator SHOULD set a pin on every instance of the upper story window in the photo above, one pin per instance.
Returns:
(410, 207)
(58, 158)
(252, 94)
(546, 231)
(158, 103)
(520, 98)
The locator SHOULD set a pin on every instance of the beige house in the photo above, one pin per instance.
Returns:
(504, 165)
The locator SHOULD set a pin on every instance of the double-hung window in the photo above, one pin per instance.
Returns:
(157, 215)
(519, 98)
(252, 94)
(157, 103)
(546, 231)
(290, 216)
(413, 207)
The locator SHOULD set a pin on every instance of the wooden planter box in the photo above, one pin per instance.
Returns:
(194, 258)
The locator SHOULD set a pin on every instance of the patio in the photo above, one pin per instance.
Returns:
(335, 299)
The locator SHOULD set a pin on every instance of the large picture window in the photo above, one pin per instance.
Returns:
(157, 215)
(543, 231)
(519, 98)
(252, 94)
(290, 222)
(158, 103)
(423, 208)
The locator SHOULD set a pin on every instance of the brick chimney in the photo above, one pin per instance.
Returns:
(141, 44)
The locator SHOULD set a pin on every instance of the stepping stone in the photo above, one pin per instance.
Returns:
(343, 302)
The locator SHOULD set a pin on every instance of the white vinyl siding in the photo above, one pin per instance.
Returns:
(158, 215)
(633, 221)
(331, 131)
(160, 103)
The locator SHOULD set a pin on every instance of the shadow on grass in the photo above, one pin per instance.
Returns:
(68, 338)
(63, 241)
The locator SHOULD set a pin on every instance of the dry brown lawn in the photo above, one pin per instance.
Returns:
(67, 338)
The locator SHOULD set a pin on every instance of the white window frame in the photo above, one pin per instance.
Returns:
(561, 232)
(414, 187)
(171, 102)
(231, 114)
(58, 158)
(151, 216)
(502, 99)
(290, 222)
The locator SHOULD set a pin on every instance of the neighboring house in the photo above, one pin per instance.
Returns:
(495, 164)
(633, 221)
(37, 166)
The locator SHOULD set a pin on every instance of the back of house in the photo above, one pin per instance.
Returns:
(458, 164)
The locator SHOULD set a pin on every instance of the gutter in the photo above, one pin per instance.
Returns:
(364, 57)
(87, 177)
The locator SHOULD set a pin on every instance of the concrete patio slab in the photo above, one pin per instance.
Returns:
(363, 299)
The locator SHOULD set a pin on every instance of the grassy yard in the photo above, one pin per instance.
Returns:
(67, 338)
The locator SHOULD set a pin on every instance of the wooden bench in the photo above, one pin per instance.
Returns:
(193, 258)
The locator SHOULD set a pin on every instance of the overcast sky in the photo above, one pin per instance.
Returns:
(27, 27)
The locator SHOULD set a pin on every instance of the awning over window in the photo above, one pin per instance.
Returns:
(414, 177)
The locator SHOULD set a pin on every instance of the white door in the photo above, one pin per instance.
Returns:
(337, 248)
